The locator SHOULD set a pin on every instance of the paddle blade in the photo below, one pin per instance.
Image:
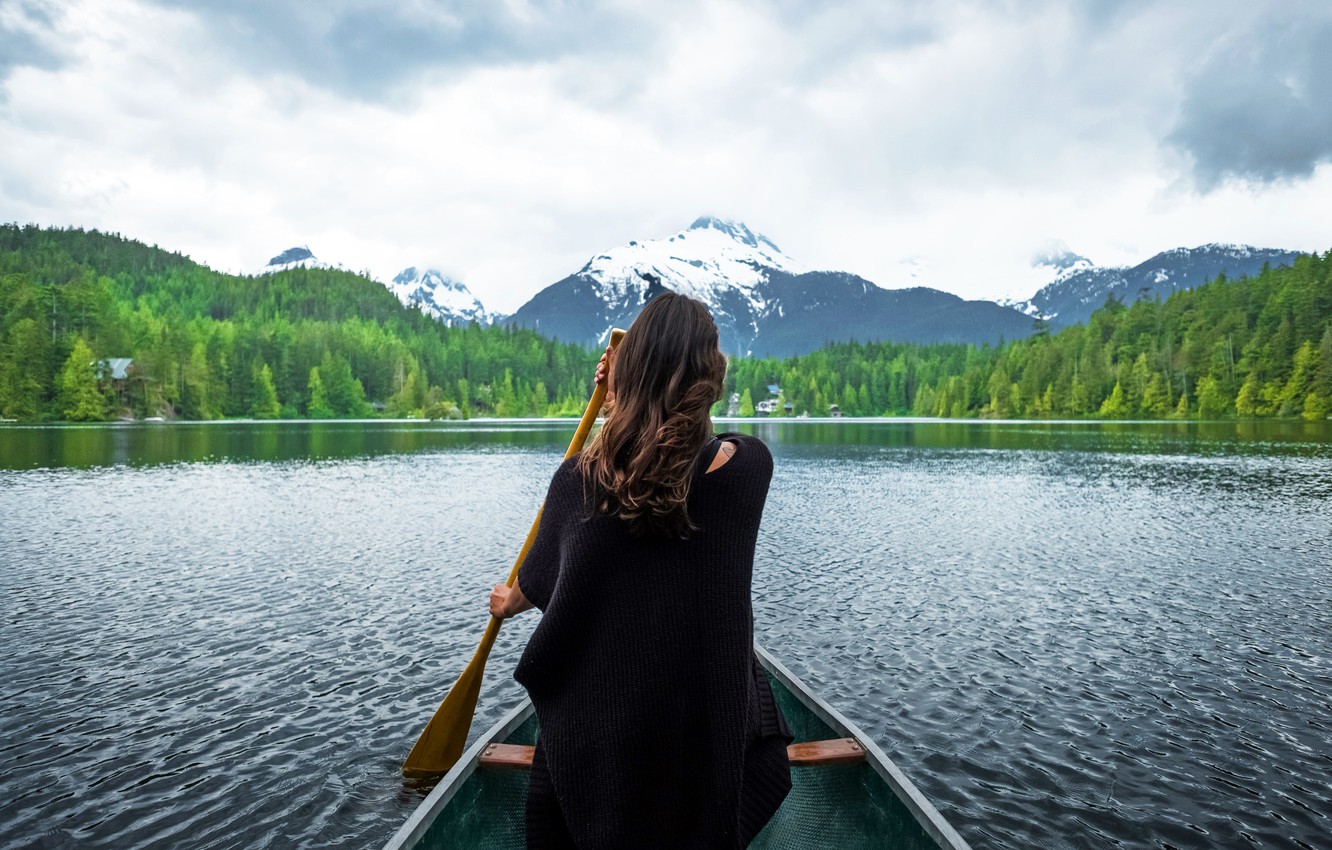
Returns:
(441, 743)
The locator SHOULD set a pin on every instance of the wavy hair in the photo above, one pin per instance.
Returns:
(665, 376)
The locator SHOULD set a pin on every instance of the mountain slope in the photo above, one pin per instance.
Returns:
(764, 302)
(806, 311)
(1079, 290)
(438, 296)
(721, 263)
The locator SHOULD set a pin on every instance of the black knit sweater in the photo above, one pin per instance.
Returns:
(656, 725)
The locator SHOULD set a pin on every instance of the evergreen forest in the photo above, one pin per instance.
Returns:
(75, 305)
(315, 343)
(1257, 347)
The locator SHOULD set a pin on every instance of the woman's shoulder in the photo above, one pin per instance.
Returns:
(744, 440)
(750, 451)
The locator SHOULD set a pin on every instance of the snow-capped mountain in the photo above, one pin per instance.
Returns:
(300, 257)
(721, 263)
(764, 302)
(436, 295)
(1081, 287)
(1052, 261)
(428, 290)
(1057, 257)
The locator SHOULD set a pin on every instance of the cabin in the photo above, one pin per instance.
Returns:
(114, 368)
(117, 371)
(834, 411)
(766, 407)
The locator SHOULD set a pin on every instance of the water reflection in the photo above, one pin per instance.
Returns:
(23, 447)
(31, 447)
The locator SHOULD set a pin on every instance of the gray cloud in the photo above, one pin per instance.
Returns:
(864, 135)
(366, 50)
(25, 27)
(1259, 109)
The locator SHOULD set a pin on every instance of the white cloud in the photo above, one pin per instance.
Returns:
(945, 138)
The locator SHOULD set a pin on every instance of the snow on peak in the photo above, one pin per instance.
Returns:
(736, 230)
(1055, 255)
(713, 260)
(299, 257)
(1228, 249)
(438, 296)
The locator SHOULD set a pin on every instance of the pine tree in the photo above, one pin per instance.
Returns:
(540, 399)
(1301, 380)
(506, 400)
(197, 400)
(81, 399)
(1044, 405)
(1114, 407)
(20, 371)
(1078, 399)
(1246, 403)
(1323, 377)
(340, 386)
(850, 406)
(318, 408)
(265, 405)
(1182, 409)
(924, 402)
(1316, 408)
(409, 400)
(464, 398)
(1140, 377)
(360, 406)
(1155, 397)
(1212, 401)
(746, 403)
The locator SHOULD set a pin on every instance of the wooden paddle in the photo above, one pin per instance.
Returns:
(441, 743)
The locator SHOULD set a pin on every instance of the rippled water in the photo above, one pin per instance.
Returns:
(1067, 635)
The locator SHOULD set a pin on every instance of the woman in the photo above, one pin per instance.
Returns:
(658, 729)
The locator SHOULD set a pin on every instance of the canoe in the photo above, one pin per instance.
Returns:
(845, 794)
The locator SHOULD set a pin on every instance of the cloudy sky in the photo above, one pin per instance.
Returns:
(934, 142)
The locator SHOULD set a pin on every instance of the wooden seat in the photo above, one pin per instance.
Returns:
(804, 754)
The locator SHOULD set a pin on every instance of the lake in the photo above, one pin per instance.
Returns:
(229, 635)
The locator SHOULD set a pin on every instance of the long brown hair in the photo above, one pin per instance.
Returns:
(667, 373)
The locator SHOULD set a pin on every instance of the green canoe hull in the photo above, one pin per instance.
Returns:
(868, 804)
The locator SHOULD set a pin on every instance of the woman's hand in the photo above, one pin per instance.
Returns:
(603, 366)
(499, 597)
(506, 601)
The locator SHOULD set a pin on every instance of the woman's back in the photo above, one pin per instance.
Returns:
(641, 669)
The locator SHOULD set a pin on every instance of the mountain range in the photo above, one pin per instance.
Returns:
(766, 303)
(1079, 286)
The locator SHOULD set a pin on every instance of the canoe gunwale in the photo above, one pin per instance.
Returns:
(917, 804)
(920, 806)
(424, 814)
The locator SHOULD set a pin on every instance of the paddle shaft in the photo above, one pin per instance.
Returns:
(441, 742)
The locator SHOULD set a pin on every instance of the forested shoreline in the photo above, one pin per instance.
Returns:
(322, 343)
(1258, 347)
(316, 343)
